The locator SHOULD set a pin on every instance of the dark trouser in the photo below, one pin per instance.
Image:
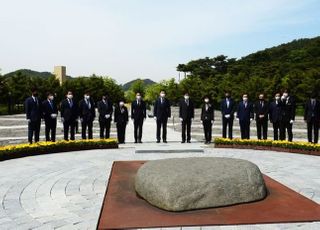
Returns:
(285, 125)
(138, 123)
(162, 123)
(276, 130)
(51, 126)
(121, 131)
(227, 122)
(245, 129)
(262, 124)
(70, 124)
(105, 128)
(186, 124)
(207, 128)
(84, 125)
(34, 127)
(313, 124)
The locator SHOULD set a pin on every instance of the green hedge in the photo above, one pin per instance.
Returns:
(299, 145)
(22, 150)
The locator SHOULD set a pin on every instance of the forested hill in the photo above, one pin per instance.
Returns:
(302, 54)
(294, 66)
(29, 73)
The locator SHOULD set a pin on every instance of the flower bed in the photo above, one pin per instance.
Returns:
(23, 150)
(281, 146)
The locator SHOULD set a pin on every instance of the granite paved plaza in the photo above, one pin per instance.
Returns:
(65, 190)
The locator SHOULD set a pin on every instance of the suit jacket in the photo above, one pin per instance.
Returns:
(288, 109)
(245, 113)
(104, 109)
(33, 109)
(275, 111)
(186, 112)
(227, 110)
(312, 111)
(138, 112)
(48, 109)
(207, 114)
(86, 113)
(68, 112)
(121, 115)
(261, 110)
(162, 110)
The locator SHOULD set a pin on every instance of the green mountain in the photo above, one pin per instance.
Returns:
(31, 73)
(294, 66)
(146, 82)
(301, 55)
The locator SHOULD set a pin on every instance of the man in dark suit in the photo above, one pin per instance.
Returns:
(288, 115)
(261, 109)
(275, 115)
(227, 110)
(245, 116)
(312, 117)
(50, 113)
(121, 119)
(69, 115)
(33, 115)
(162, 112)
(138, 115)
(186, 115)
(87, 114)
(105, 110)
(207, 119)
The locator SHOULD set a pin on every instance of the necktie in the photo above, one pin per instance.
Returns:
(245, 104)
(70, 103)
(50, 102)
(161, 100)
(227, 103)
(89, 104)
(187, 102)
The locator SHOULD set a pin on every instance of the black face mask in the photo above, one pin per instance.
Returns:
(35, 94)
(261, 99)
(227, 96)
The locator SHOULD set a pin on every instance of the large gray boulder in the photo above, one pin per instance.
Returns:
(181, 184)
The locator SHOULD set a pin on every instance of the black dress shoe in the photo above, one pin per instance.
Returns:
(135, 142)
(183, 142)
(165, 141)
(188, 141)
(140, 141)
(158, 141)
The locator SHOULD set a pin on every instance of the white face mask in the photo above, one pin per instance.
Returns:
(277, 98)
(86, 96)
(138, 97)
(245, 99)
(70, 96)
(162, 94)
(121, 103)
(51, 98)
(186, 97)
(285, 95)
(206, 100)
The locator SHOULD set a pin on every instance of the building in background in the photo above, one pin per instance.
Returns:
(60, 73)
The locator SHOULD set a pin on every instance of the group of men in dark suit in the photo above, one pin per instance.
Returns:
(280, 112)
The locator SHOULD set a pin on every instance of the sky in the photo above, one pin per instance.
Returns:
(128, 39)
